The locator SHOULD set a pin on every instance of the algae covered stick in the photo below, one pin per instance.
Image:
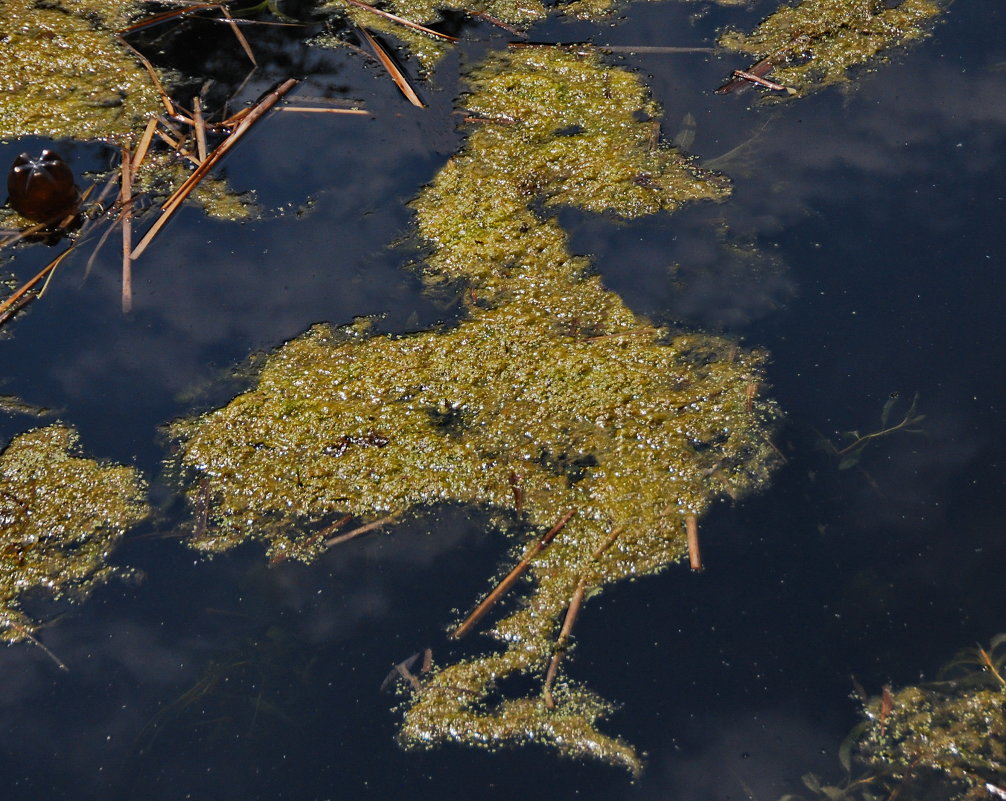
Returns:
(575, 604)
(510, 578)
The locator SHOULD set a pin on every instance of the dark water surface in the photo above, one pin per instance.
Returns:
(880, 217)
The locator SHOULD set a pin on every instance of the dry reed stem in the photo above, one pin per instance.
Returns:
(396, 74)
(96, 251)
(171, 205)
(990, 664)
(166, 15)
(13, 304)
(106, 190)
(178, 146)
(144, 144)
(692, 534)
(240, 36)
(165, 100)
(190, 9)
(498, 23)
(319, 535)
(34, 229)
(126, 215)
(167, 123)
(402, 21)
(37, 642)
(510, 579)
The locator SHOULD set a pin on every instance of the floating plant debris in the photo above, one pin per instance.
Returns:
(557, 126)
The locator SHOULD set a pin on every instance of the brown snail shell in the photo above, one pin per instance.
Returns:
(42, 188)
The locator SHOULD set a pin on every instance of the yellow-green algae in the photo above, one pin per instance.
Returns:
(551, 396)
(587, 411)
(64, 73)
(558, 127)
(949, 735)
(162, 172)
(600, 9)
(60, 518)
(941, 740)
(816, 42)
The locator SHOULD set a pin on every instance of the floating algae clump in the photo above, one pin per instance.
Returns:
(64, 74)
(559, 127)
(814, 43)
(551, 402)
(426, 48)
(60, 518)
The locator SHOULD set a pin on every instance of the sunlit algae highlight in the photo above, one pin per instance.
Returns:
(816, 42)
(60, 518)
(551, 383)
(65, 74)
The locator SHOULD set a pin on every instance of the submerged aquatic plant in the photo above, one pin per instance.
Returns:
(60, 518)
(950, 735)
(552, 404)
(849, 455)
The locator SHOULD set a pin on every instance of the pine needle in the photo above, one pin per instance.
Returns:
(396, 74)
